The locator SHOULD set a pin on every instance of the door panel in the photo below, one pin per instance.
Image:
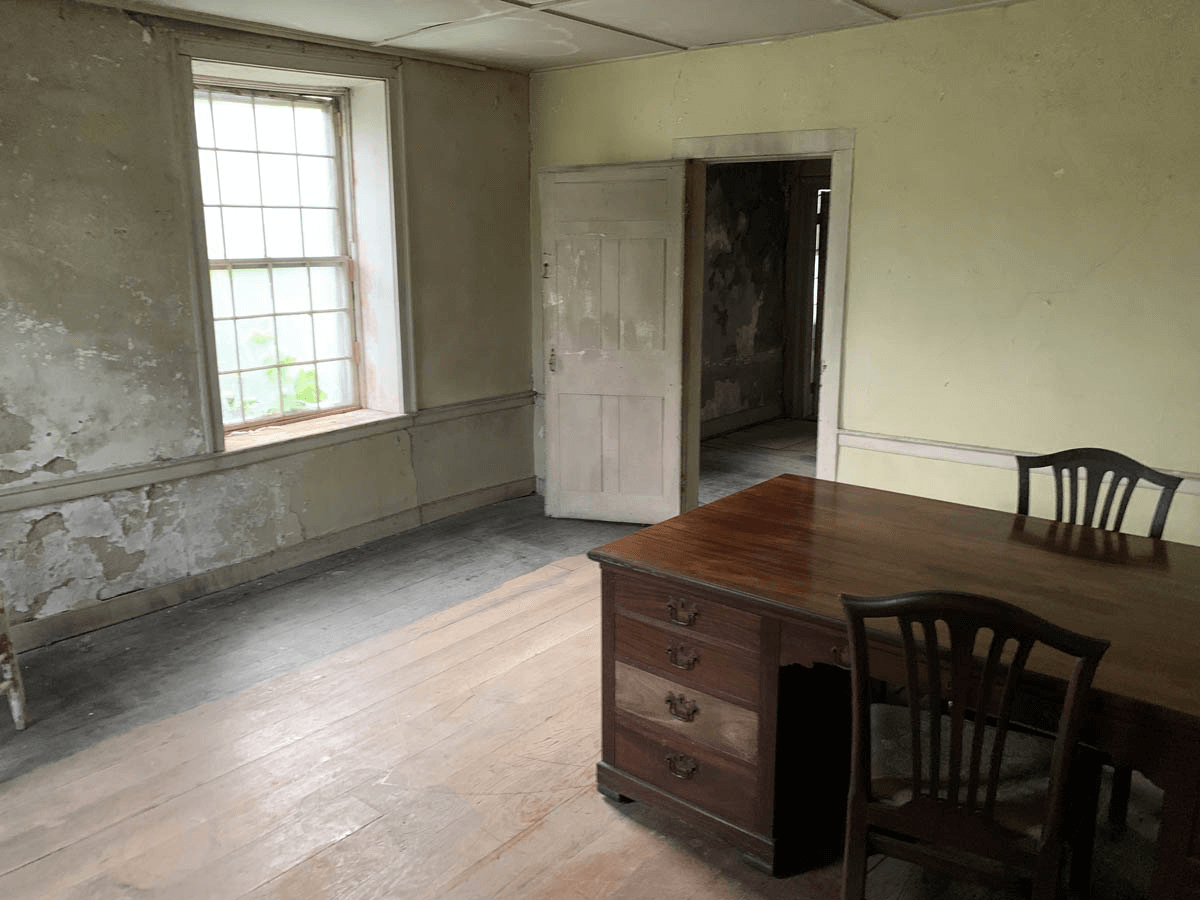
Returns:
(612, 290)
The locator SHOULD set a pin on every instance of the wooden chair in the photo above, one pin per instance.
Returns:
(1090, 464)
(10, 673)
(997, 803)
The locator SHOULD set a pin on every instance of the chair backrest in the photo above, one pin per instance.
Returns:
(1091, 464)
(964, 662)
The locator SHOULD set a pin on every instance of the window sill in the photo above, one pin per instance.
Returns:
(273, 434)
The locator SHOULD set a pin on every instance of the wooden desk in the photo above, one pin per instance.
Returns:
(703, 611)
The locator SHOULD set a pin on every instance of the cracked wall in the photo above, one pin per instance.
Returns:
(95, 248)
(90, 550)
(100, 371)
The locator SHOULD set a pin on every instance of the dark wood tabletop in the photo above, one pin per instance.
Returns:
(794, 545)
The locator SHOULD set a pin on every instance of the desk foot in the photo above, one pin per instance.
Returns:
(757, 862)
(615, 796)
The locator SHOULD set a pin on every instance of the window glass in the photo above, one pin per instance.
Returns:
(271, 175)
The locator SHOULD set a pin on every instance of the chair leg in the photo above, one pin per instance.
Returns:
(1048, 876)
(16, 698)
(10, 679)
(1118, 801)
(854, 859)
(1085, 801)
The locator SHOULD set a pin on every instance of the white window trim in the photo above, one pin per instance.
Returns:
(378, 210)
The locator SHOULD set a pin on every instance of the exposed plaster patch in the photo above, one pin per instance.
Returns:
(114, 561)
(59, 465)
(53, 600)
(44, 527)
(110, 415)
(747, 335)
(726, 399)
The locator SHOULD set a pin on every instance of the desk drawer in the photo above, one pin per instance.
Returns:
(691, 773)
(688, 659)
(691, 714)
(685, 610)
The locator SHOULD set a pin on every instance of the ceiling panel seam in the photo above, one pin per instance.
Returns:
(613, 28)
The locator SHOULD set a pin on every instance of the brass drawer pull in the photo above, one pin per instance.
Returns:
(683, 709)
(682, 657)
(682, 612)
(681, 766)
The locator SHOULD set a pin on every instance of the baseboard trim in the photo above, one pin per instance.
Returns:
(452, 506)
(40, 632)
(965, 453)
(743, 419)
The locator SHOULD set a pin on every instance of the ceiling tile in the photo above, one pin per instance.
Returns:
(528, 41)
(926, 7)
(362, 20)
(702, 23)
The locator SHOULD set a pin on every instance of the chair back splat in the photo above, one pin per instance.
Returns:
(954, 777)
(1090, 465)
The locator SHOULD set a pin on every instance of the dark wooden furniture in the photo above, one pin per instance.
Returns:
(1088, 465)
(750, 586)
(953, 784)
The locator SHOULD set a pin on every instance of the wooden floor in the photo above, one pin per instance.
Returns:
(451, 758)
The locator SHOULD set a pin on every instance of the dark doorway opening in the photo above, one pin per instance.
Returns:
(765, 239)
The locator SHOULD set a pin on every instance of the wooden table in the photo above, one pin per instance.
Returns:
(706, 615)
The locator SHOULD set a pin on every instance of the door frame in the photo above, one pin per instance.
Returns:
(837, 145)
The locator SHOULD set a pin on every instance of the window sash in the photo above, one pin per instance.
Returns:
(288, 386)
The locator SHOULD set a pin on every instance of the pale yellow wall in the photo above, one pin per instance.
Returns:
(1024, 267)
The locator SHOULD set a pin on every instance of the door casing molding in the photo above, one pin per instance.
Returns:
(836, 144)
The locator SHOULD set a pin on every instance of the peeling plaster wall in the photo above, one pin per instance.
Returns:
(99, 369)
(87, 551)
(1023, 263)
(745, 243)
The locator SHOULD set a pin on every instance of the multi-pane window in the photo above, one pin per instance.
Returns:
(273, 185)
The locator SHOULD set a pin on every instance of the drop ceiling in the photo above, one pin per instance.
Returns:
(534, 35)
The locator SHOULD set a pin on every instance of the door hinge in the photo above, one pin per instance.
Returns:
(553, 361)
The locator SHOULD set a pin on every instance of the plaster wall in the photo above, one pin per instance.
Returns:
(467, 137)
(95, 249)
(1023, 259)
(745, 243)
(100, 372)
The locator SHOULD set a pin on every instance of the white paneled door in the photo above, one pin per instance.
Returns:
(612, 290)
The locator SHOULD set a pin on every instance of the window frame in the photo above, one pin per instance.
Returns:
(340, 115)
(375, 206)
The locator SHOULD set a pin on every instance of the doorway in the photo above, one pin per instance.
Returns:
(765, 237)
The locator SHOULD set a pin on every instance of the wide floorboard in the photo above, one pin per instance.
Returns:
(453, 758)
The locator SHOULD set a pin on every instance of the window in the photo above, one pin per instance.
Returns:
(273, 181)
(299, 190)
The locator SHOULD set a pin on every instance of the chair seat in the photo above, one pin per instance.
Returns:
(1021, 794)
